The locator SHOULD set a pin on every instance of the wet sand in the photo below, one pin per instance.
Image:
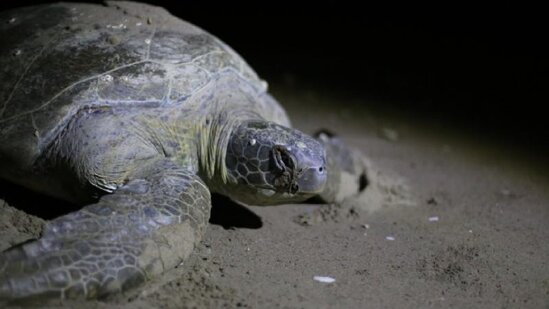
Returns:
(448, 220)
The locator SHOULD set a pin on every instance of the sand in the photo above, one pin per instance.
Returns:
(448, 220)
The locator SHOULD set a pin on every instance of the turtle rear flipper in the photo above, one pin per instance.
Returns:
(147, 226)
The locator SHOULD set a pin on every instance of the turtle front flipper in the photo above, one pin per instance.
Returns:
(145, 227)
(347, 173)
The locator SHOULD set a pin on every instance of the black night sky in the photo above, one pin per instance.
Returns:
(479, 66)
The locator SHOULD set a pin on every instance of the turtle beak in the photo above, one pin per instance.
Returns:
(313, 180)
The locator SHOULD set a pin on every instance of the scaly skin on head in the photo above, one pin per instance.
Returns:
(213, 133)
(271, 164)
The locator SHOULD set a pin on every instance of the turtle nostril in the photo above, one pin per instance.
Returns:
(321, 169)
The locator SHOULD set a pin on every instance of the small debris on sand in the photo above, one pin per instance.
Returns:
(508, 193)
(432, 201)
(433, 219)
(390, 134)
(391, 238)
(324, 279)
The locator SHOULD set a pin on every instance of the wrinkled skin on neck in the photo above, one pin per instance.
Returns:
(268, 164)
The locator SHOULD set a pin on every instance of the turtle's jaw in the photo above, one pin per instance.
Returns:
(313, 180)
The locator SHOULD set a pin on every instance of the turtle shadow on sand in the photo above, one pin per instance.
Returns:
(229, 214)
(225, 212)
(34, 203)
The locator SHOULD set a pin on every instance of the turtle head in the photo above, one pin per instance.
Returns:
(271, 164)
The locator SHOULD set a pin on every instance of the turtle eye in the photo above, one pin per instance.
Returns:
(294, 188)
(287, 159)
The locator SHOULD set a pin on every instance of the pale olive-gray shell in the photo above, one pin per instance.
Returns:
(57, 59)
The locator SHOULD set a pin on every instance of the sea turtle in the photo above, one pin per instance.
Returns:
(138, 116)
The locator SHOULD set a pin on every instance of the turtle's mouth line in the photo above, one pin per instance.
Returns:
(310, 192)
(271, 190)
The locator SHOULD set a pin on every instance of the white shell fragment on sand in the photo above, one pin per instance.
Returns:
(324, 279)
(390, 238)
(433, 219)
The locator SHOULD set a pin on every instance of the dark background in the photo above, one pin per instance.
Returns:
(479, 66)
